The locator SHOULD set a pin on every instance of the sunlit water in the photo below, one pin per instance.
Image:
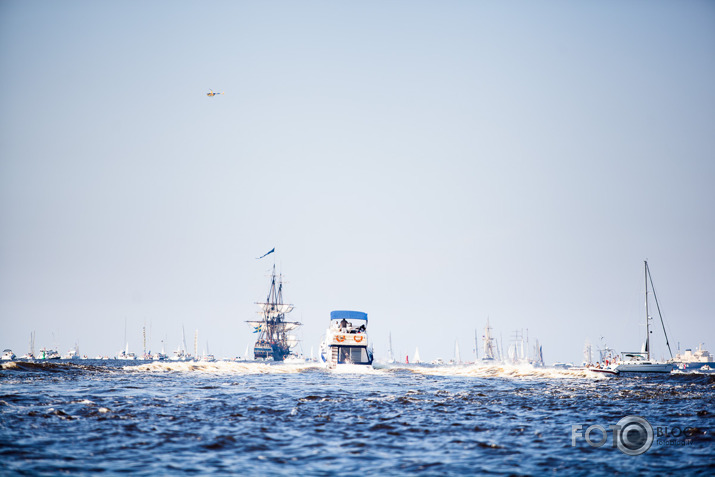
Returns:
(89, 417)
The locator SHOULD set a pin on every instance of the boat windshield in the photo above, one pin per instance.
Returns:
(352, 354)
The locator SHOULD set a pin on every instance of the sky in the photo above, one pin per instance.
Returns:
(433, 164)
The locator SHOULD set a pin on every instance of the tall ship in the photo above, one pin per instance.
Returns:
(346, 340)
(274, 341)
(490, 352)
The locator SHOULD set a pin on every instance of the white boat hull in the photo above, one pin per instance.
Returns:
(645, 368)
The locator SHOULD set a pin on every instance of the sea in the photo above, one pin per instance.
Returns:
(249, 418)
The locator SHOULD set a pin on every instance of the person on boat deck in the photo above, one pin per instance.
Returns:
(362, 328)
(344, 324)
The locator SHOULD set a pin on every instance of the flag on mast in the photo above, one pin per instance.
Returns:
(267, 253)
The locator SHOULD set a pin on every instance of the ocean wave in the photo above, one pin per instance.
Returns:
(48, 366)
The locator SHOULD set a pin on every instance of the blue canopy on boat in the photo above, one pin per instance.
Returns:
(348, 315)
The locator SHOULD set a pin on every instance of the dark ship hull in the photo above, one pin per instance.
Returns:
(277, 352)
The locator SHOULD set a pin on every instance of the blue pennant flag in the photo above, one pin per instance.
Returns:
(268, 253)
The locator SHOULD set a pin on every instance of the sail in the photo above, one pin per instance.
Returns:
(287, 325)
(292, 340)
(417, 356)
(275, 309)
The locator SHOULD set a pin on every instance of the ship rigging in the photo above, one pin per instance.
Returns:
(273, 339)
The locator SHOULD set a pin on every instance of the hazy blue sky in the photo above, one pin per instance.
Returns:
(430, 163)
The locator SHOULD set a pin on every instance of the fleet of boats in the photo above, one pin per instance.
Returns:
(346, 344)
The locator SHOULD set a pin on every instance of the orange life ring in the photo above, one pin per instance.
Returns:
(357, 338)
(340, 338)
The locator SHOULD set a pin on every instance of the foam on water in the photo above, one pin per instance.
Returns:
(503, 371)
(477, 371)
(223, 367)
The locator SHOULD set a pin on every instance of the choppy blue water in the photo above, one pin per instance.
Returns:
(260, 419)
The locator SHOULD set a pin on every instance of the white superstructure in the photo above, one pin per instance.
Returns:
(346, 340)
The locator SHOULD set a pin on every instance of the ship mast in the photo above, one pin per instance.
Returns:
(647, 315)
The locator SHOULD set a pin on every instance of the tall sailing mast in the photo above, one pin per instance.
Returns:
(647, 315)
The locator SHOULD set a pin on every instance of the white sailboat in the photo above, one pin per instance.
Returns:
(390, 355)
(416, 358)
(180, 354)
(31, 351)
(125, 354)
(490, 352)
(208, 357)
(160, 356)
(196, 344)
(72, 353)
(587, 354)
(640, 361)
(476, 347)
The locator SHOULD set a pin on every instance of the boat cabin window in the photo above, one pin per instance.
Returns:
(352, 354)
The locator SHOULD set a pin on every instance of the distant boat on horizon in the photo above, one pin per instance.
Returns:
(693, 361)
